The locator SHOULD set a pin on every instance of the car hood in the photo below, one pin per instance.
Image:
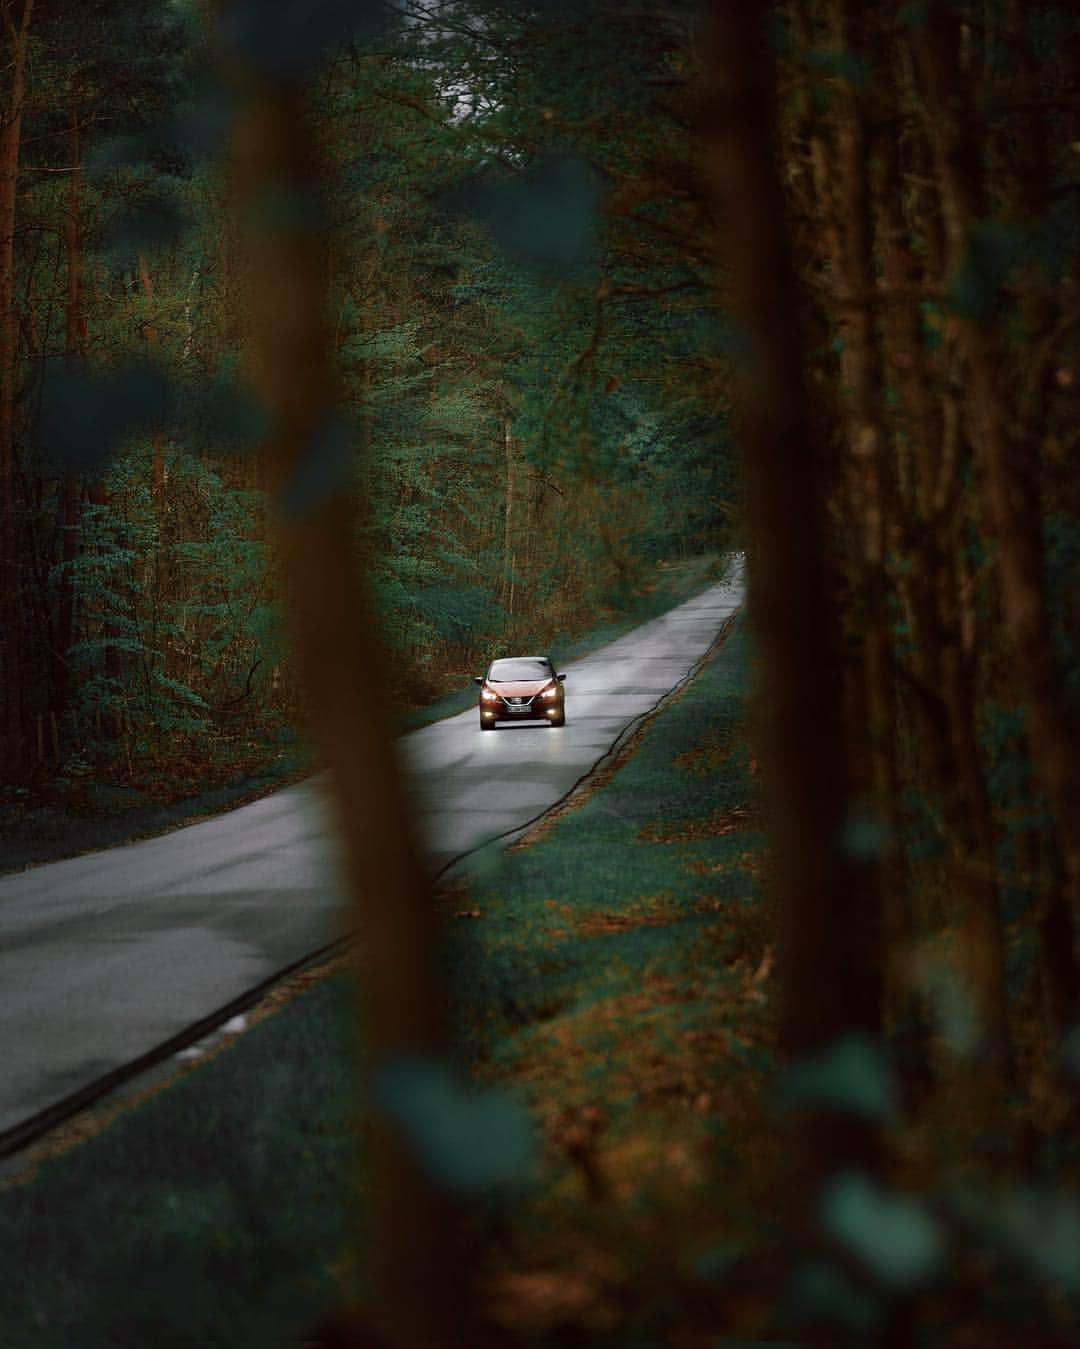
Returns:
(520, 688)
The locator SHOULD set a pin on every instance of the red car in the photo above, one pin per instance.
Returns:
(521, 688)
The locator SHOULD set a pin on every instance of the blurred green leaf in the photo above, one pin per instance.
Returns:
(146, 226)
(953, 1006)
(547, 218)
(1043, 1231)
(220, 411)
(322, 472)
(86, 415)
(117, 152)
(852, 1075)
(467, 1138)
(287, 39)
(895, 1237)
(823, 1293)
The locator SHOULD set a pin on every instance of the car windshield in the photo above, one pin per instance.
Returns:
(519, 667)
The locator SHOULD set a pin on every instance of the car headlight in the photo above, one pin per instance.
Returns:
(488, 696)
(552, 691)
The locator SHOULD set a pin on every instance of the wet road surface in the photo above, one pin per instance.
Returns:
(105, 956)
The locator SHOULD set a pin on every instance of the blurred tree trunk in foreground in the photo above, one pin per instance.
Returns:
(931, 244)
(414, 1293)
(826, 903)
(903, 522)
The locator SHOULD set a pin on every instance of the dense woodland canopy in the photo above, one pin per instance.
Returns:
(525, 452)
(581, 261)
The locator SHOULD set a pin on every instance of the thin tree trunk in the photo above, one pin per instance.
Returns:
(157, 467)
(74, 334)
(508, 523)
(18, 22)
(162, 584)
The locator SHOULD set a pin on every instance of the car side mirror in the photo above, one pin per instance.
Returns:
(478, 679)
(560, 678)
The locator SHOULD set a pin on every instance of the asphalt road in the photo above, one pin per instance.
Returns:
(105, 956)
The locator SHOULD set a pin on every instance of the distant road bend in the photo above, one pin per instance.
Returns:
(111, 959)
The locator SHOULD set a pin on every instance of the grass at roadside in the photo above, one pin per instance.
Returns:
(104, 815)
(612, 971)
(213, 1212)
(615, 971)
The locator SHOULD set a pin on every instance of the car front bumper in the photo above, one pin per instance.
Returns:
(535, 711)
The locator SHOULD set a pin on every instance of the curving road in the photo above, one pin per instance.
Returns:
(105, 956)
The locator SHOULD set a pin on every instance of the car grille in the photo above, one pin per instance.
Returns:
(517, 704)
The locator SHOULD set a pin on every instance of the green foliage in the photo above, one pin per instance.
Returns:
(468, 1139)
(290, 38)
(893, 1235)
(823, 1293)
(1034, 1227)
(852, 1076)
(135, 648)
(87, 415)
(547, 218)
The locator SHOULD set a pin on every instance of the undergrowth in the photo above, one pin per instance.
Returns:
(92, 802)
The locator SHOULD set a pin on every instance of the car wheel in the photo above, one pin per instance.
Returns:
(558, 721)
(487, 725)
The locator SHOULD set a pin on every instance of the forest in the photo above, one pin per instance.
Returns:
(454, 323)
(524, 454)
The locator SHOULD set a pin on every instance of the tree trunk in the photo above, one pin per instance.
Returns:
(827, 907)
(162, 596)
(74, 337)
(508, 523)
(18, 20)
(157, 464)
(1011, 464)
(1028, 193)
(419, 1285)
(870, 487)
